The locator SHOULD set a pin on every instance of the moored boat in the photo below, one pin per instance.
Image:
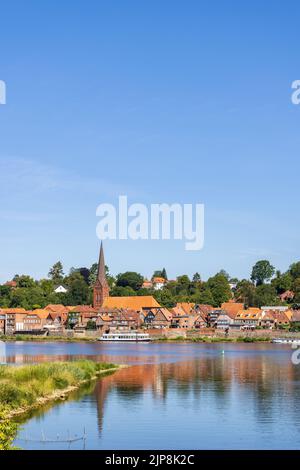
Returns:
(286, 340)
(131, 336)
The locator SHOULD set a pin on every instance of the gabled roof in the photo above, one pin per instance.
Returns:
(276, 316)
(183, 308)
(11, 284)
(131, 302)
(83, 309)
(201, 317)
(57, 308)
(230, 315)
(104, 317)
(250, 314)
(204, 308)
(232, 307)
(130, 315)
(225, 316)
(158, 280)
(14, 310)
(41, 313)
(147, 283)
(166, 313)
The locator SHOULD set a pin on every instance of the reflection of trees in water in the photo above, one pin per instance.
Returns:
(262, 387)
(260, 382)
(129, 393)
(275, 390)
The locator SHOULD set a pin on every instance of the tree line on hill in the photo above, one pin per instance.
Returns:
(263, 288)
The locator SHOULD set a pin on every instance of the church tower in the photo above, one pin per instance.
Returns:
(101, 287)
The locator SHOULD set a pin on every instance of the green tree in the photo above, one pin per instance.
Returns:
(245, 293)
(220, 289)
(47, 286)
(164, 298)
(130, 279)
(91, 325)
(5, 293)
(56, 273)
(224, 273)
(78, 291)
(265, 294)
(85, 273)
(93, 274)
(282, 282)
(294, 270)
(24, 281)
(164, 274)
(197, 277)
(296, 290)
(183, 281)
(160, 273)
(120, 291)
(156, 273)
(205, 297)
(262, 271)
(26, 297)
(8, 431)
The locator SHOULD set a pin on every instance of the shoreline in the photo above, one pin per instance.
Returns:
(42, 339)
(27, 388)
(58, 394)
(10, 378)
(155, 339)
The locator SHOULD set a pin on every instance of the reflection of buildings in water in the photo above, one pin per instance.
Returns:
(128, 383)
(158, 386)
(253, 377)
(224, 378)
(40, 358)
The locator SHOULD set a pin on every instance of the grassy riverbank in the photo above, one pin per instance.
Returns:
(27, 387)
(37, 338)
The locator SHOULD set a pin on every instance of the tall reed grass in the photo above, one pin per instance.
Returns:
(22, 386)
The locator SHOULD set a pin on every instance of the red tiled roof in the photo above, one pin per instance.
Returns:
(158, 280)
(287, 295)
(14, 310)
(276, 316)
(11, 284)
(83, 309)
(57, 308)
(135, 302)
(232, 308)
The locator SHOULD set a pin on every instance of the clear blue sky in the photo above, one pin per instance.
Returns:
(169, 101)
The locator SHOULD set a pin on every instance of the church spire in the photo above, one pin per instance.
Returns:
(101, 287)
(101, 266)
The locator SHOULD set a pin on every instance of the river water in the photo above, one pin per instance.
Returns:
(173, 396)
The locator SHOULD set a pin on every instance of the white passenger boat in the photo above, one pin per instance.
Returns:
(286, 341)
(131, 336)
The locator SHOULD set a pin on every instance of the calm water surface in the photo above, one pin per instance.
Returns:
(173, 396)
